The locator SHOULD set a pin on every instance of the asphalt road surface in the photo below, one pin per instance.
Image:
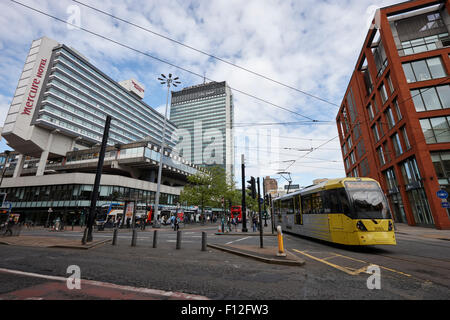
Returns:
(413, 269)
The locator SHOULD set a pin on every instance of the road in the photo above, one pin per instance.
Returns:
(413, 269)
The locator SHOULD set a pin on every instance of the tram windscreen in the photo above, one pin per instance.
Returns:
(367, 200)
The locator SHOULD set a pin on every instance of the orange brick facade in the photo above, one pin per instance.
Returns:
(413, 201)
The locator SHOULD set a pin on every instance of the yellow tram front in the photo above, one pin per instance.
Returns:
(367, 219)
(350, 211)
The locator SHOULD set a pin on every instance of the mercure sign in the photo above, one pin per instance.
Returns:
(34, 88)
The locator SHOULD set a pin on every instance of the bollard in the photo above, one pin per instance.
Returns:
(155, 238)
(203, 241)
(83, 240)
(134, 238)
(178, 240)
(281, 252)
(114, 241)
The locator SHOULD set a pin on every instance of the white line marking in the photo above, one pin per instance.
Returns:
(179, 295)
(237, 240)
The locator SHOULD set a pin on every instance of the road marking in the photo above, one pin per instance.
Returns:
(175, 295)
(347, 270)
(237, 240)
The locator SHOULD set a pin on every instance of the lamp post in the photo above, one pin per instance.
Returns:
(164, 80)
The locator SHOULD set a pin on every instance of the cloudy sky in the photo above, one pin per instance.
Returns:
(307, 44)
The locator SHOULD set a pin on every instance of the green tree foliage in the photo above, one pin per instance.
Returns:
(208, 190)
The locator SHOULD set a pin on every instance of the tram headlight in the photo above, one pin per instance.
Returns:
(361, 226)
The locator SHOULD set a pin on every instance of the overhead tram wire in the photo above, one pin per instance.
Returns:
(207, 54)
(160, 60)
(311, 151)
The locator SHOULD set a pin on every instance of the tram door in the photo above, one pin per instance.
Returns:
(298, 218)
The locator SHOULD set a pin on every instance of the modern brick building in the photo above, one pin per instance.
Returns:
(394, 120)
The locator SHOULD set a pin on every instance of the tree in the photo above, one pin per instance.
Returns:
(208, 189)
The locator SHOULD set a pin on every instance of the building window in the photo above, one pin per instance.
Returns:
(370, 111)
(422, 44)
(405, 138)
(349, 142)
(387, 153)
(364, 167)
(389, 81)
(441, 162)
(355, 172)
(347, 163)
(431, 98)
(389, 117)
(381, 155)
(380, 57)
(344, 148)
(394, 196)
(352, 158)
(360, 149)
(383, 93)
(436, 130)
(375, 133)
(397, 110)
(416, 194)
(422, 70)
(380, 127)
(397, 145)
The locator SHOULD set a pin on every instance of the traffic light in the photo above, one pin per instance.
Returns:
(252, 187)
(266, 199)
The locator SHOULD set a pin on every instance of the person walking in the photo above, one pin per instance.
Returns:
(254, 222)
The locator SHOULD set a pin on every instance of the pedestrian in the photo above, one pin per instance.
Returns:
(235, 223)
(176, 224)
(229, 224)
(254, 223)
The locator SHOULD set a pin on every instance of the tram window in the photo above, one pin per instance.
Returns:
(331, 202)
(316, 203)
(306, 204)
(298, 215)
(343, 199)
(290, 203)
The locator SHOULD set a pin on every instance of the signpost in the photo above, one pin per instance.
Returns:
(442, 194)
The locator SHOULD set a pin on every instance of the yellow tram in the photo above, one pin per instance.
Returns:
(350, 211)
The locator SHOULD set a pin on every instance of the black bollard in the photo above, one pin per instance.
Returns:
(178, 240)
(114, 242)
(134, 238)
(203, 241)
(85, 234)
(155, 238)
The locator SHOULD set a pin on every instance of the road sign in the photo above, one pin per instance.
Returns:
(445, 205)
(261, 200)
(442, 194)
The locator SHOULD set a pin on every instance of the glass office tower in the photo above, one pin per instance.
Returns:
(204, 117)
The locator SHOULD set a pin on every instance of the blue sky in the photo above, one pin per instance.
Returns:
(309, 45)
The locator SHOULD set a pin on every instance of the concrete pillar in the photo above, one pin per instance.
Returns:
(19, 166)
(44, 156)
(42, 163)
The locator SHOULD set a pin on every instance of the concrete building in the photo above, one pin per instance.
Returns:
(394, 120)
(55, 126)
(270, 184)
(204, 116)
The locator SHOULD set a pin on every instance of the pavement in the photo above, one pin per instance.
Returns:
(266, 254)
(421, 232)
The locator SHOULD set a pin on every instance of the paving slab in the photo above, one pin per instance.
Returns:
(266, 254)
(50, 242)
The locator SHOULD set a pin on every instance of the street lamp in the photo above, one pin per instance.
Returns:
(164, 80)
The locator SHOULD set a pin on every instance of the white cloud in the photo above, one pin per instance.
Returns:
(310, 45)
